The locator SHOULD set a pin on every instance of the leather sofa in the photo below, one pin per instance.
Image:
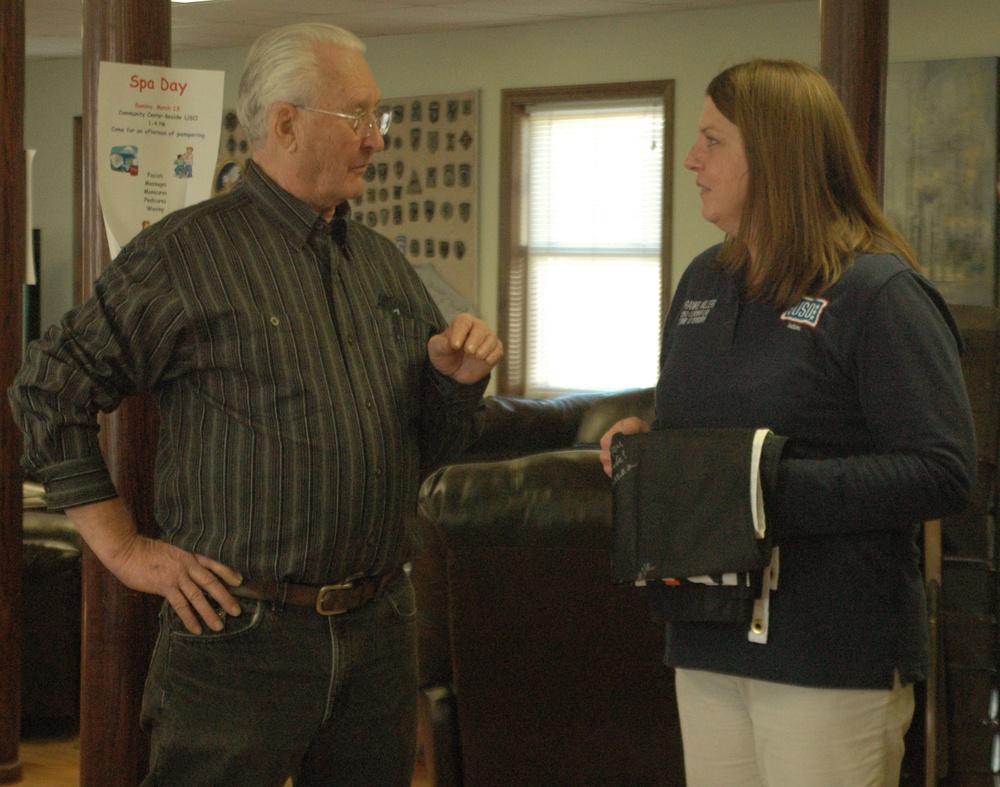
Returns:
(50, 674)
(535, 669)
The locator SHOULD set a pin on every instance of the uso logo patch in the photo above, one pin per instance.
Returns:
(806, 312)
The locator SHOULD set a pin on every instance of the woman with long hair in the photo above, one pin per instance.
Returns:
(811, 320)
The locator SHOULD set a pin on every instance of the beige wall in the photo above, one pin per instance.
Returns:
(686, 46)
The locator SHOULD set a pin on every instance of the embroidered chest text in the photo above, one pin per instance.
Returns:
(695, 312)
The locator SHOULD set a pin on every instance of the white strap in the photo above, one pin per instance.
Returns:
(756, 487)
(761, 622)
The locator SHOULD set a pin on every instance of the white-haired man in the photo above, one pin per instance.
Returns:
(305, 381)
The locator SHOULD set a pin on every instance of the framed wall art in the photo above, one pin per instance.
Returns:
(941, 175)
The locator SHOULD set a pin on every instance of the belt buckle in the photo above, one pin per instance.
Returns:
(326, 590)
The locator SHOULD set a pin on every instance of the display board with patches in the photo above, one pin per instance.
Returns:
(421, 192)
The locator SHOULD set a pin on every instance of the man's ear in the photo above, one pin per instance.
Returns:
(283, 122)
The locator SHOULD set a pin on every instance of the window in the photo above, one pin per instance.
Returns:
(584, 236)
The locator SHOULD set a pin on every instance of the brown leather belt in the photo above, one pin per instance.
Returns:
(325, 599)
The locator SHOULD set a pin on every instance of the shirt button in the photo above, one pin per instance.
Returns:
(274, 321)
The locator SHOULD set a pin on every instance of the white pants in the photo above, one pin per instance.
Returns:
(750, 733)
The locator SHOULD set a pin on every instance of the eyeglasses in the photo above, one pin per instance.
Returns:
(363, 123)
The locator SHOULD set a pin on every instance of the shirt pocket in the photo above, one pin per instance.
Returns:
(404, 332)
(263, 363)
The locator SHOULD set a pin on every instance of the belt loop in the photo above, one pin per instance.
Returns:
(281, 590)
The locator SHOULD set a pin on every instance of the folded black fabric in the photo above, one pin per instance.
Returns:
(708, 603)
(682, 503)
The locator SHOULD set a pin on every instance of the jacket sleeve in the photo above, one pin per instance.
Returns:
(912, 392)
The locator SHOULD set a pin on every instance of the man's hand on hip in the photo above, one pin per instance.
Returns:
(149, 565)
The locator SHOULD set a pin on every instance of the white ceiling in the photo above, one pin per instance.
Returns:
(54, 27)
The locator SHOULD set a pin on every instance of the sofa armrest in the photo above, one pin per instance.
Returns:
(517, 426)
(535, 500)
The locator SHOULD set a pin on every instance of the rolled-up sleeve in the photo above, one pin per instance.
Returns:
(116, 344)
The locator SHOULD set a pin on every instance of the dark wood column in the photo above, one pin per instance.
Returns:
(119, 624)
(12, 252)
(854, 56)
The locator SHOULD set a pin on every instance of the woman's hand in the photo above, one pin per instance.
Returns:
(630, 425)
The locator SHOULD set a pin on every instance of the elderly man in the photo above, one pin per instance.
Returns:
(305, 381)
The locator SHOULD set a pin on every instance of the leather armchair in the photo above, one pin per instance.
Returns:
(535, 669)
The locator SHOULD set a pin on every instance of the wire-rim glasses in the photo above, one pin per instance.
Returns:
(363, 123)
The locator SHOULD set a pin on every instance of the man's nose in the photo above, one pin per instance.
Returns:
(375, 141)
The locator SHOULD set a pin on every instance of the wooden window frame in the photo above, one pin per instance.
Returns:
(512, 265)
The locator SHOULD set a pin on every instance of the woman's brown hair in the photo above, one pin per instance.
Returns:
(810, 205)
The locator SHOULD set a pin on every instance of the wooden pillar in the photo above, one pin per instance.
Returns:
(119, 624)
(854, 56)
(12, 264)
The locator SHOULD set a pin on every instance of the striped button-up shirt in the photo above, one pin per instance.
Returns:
(288, 357)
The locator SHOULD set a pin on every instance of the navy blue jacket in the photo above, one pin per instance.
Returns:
(865, 380)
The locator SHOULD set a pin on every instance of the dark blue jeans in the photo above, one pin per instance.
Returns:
(286, 692)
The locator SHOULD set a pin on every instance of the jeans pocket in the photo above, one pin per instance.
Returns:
(402, 599)
(233, 625)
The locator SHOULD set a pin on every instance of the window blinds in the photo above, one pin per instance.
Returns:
(593, 178)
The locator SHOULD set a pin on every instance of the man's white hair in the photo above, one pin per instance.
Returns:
(282, 66)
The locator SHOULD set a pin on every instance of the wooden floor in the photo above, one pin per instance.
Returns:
(52, 759)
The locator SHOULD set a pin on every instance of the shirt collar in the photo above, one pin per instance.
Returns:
(289, 212)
